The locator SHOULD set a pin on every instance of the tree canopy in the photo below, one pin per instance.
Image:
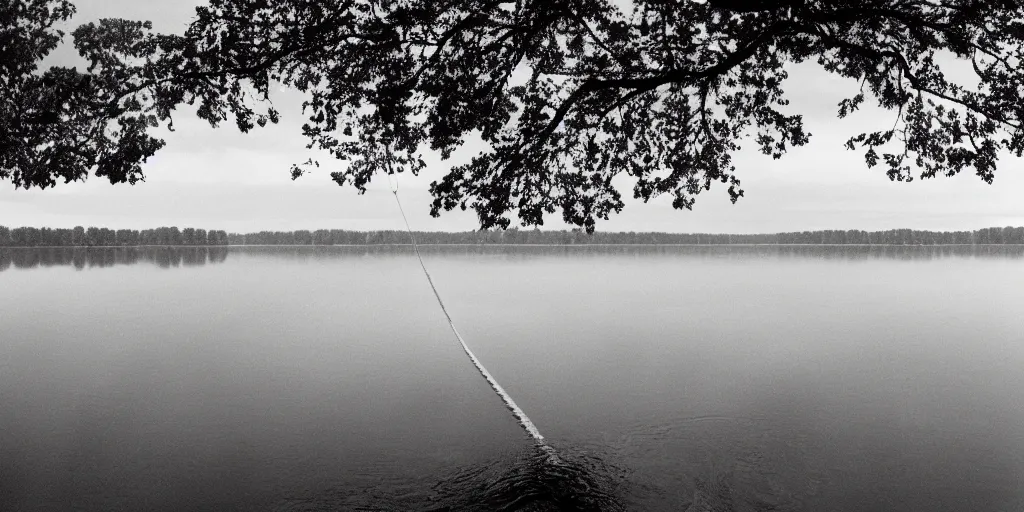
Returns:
(565, 94)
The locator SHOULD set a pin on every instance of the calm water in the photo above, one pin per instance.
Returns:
(303, 379)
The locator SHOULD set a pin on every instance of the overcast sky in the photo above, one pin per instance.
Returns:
(221, 179)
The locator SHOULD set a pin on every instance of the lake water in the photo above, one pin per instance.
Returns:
(666, 378)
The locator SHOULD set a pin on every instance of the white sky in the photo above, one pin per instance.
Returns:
(221, 179)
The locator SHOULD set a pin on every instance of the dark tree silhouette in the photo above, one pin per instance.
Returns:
(565, 94)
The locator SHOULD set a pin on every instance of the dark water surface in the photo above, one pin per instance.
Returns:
(668, 378)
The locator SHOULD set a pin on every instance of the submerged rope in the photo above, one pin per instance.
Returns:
(521, 417)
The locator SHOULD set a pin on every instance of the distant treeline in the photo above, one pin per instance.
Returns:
(93, 237)
(79, 236)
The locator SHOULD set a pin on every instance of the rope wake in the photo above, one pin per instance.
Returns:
(521, 417)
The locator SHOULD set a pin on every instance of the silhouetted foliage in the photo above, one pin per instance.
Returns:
(565, 94)
(63, 123)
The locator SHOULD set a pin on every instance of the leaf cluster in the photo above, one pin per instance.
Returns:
(573, 99)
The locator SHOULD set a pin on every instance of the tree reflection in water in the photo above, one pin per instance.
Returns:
(102, 257)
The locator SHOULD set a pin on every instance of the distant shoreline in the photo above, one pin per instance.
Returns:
(189, 237)
(492, 245)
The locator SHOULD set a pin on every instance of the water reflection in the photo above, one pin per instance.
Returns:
(103, 257)
(828, 252)
(331, 382)
(173, 257)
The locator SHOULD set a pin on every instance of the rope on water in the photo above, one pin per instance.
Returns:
(521, 417)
